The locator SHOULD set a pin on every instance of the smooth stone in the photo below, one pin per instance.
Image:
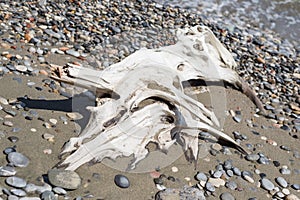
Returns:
(285, 171)
(267, 184)
(18, 159)
(16, 182)
(48, 195)
(74, 116)
(227, 164)
(18, 192)
(217, 174)
(296, 186)
(201, 176)
(210, 187)
(226, 196)
(3, 101)
(286, 191)
(281, 181)
(8, 150)
(279, 195)
(32, 188)
(231, 185)
(72, 52)
(64, 178)
(121, 181)
(21, 68)
(12, 197)
(237, 118)
(7, 171)
(216, 182)
(237, 171)
(252, 157)
(59, 190)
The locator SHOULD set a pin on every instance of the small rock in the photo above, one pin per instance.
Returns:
(231, 185)
(216, 182)
(210, 187)
(216, 146)
(285, 171)
(7, 171)
(64, 178)
(21, 68)
(286, 191)
(295, 186)
(201, 176)
(18, 159)
(226, 196)
(72, 52)
(281, 181)
(74, 116)
(237, 118)
(3, 101)
(15, 182)
(18, 192)
(122, 181)
(48, 195)
(267, 184)
(174, 169)
(252, 157)
(59, 190)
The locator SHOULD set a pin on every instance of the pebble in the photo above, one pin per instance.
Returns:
(72, 52)
(252, 157)
(48, 195)
(201, 176)
(226, 196)
(237, 171)
(3, 101)
(18, 159)
(21, 68)
(174, 169)
(231, 185)
(64, 178)
(74, 116)
(15, 182)
(285, 171)
(216, 182)
(7, 171)
(237, 118)
(267, 184)
(285, 191)
(281, 181)
(296, 186)
(18, 192)
(122, 181)
(210, 187)
(59, 191)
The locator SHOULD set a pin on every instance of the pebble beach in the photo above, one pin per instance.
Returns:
(38, 114)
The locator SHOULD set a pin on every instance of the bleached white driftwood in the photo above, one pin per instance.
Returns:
(147, 101)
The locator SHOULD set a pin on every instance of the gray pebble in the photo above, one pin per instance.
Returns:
(7, 171)
(18, 159)
(122, 181)
(201, 177)
(217, 174)
(227, 164)
(267, 184)
(210, 187)
(281, 181)
(237, 118)
(72, 52)
(12, 197)
(237, 171)
(252, 157)
(226, 196)
(15, 182)
(48, 195)
(296, 186)
(59, 190)
(18, 192)
(285, 171)
(231, 185)
(64, 178)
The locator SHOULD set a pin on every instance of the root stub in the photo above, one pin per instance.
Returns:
(149, 104)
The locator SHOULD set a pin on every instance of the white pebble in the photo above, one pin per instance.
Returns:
(53, 121)
(174, 169)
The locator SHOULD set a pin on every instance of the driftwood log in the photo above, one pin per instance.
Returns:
(145, 101)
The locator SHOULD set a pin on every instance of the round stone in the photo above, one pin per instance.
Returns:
(21, 68)
(295, 186)
(267, 184)
(15, 182)
(48, 195)
(252, 157)
(281, 181)
(217, 174)
(18, 192)
(226, 196)
(210, 187)
(174, 169)
(231, 185)
(64, 178)
(7, 171)
(286, 191)
(18, 159)
(201, 176)
(237, 171)
(122, 181)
